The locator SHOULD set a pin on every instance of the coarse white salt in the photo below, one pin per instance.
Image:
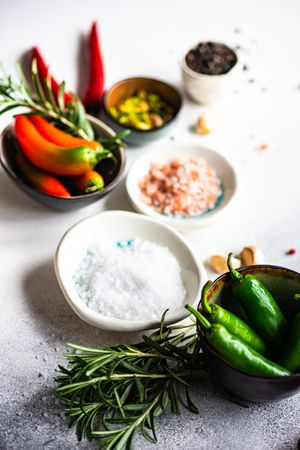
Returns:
(137, 280)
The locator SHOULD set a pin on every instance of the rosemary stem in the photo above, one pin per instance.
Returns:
(120, 376)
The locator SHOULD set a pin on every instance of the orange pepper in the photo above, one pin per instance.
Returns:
(90, 181)
(58, 137)
(50, 157)
(42, 181)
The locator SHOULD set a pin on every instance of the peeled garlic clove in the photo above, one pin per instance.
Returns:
(201, 127)
(219, 263)
(251, 255)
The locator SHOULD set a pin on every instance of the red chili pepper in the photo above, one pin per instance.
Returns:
(43, 73)
(95, 87)
(49, 157)
(58, 137)
(40, 180)
(90, 181)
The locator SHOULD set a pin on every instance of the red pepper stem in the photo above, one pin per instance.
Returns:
(235, 275)
(204, 301)
(201, 319)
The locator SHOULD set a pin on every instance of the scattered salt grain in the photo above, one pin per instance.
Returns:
(137, 280)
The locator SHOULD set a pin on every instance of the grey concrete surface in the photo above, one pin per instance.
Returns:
(263, 108)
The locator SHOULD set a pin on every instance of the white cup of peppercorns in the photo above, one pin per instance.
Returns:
(207, 71)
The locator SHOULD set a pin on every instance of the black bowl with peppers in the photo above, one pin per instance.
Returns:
(283, 284)
(111, 171)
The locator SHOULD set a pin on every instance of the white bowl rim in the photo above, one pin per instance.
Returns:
(179, 222)
(114, 324)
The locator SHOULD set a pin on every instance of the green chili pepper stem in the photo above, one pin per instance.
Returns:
(233, 272)
(201, 319)
(204, 302)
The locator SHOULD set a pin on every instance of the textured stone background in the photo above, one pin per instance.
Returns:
(263, 108)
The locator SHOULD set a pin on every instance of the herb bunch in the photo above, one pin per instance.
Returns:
(38, 97)
(111, 392)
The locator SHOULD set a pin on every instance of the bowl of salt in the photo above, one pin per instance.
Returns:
(121, 271)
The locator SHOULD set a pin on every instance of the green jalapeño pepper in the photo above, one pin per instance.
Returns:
(216, 314)
(259, 306)
(235, 351)
(291, 351)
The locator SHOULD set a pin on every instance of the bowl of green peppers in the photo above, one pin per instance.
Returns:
(248, 324)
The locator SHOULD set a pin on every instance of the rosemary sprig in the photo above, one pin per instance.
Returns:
(42, 101)
(109, 393)
(113, 142)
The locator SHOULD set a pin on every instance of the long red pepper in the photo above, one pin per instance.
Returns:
(95, 87)
(43, 73)
(42, 181)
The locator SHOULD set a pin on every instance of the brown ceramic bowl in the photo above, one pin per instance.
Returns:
(129, 87)
(283, 284)
(7, 159)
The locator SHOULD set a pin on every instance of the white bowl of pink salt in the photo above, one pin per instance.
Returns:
(182, 185)
(121, 271)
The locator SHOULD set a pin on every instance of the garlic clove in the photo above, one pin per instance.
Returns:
(251, 255)
(219, 263)
(202, 127)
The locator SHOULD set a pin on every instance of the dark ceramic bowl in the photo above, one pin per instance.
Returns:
(282, 283)
(7, 159)
(129, 87)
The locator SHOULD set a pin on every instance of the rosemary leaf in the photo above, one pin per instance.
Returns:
(12, 105)
(191, 405)
(61, 96)
(36, 82)
(49, 93)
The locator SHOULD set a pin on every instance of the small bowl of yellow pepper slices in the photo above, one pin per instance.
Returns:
(145, 106)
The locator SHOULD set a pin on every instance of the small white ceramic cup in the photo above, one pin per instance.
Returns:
(204, 88)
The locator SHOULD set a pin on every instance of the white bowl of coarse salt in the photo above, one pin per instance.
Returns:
(121, 271)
